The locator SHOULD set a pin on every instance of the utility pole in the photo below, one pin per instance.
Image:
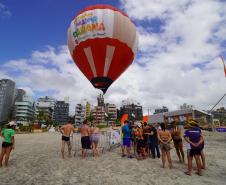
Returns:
(222, 96)
(148, 111)
(214, 107)
(217, 102)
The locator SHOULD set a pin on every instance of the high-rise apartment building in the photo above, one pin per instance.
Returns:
(134, 111)
(19, 93)
(80, 111)
(46, 106)
(25, 110)
(7, 90)
(111, 113)
(18, 97)
(100, 100)
(99, 115)
(88, 110)
(61, 112)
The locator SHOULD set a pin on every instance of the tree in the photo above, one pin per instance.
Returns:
(90, 118)
(118, 122)
(44, 118)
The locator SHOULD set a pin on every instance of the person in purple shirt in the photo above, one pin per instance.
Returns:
(194, 137)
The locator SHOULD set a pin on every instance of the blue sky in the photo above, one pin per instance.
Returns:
(178, 59)
(34, 24)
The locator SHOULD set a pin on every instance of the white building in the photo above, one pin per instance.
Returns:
(111, 113)
(25, 110)
(46, 105)
(99, 114)
(80, 112)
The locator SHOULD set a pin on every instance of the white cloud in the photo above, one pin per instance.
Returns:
(28, 91)
(181, 61)
(51, 71)
(178, 64)
(4, 11)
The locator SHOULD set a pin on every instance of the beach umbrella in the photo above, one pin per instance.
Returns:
(103, 42)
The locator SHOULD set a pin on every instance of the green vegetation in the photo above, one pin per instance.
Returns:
(27, 128)
(90, 118)
(43, 118)
(102, 126)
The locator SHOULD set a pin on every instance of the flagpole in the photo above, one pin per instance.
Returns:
(222, 96)
(223, 65)
(217, 103)
(225, 93)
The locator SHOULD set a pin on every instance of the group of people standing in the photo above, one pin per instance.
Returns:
(90, 137)
(143, 139)
(147, 139)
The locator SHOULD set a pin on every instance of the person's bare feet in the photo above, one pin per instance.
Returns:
(187, 173)
(198, 173)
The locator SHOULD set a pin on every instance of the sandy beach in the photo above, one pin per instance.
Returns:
(36, 160)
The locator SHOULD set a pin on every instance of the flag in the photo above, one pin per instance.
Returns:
(224, 65)
(106, 114)
(145, 119)
(124, 118)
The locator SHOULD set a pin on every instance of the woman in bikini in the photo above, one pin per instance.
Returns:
(164, 137)
(178, 143)
(140, 143)
(94, 138)
(135, 137)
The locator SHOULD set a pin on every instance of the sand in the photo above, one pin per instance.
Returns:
(36, 160)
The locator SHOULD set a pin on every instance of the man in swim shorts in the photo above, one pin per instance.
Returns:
(66, 131)
(194, 137)
(126, 139)
(85, 137)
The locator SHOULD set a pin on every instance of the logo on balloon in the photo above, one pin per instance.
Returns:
(87, 25)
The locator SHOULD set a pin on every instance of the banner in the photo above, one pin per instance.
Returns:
(114, 138)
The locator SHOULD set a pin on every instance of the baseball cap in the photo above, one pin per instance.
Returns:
(139, 124)
(193, 123)
(11, 123)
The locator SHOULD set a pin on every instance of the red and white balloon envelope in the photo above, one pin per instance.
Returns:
(103, 42)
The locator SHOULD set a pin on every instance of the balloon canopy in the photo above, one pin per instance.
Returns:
(103, 42)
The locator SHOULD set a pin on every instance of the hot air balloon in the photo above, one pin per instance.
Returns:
(103, 42)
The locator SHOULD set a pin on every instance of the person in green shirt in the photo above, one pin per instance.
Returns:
(8, 142)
